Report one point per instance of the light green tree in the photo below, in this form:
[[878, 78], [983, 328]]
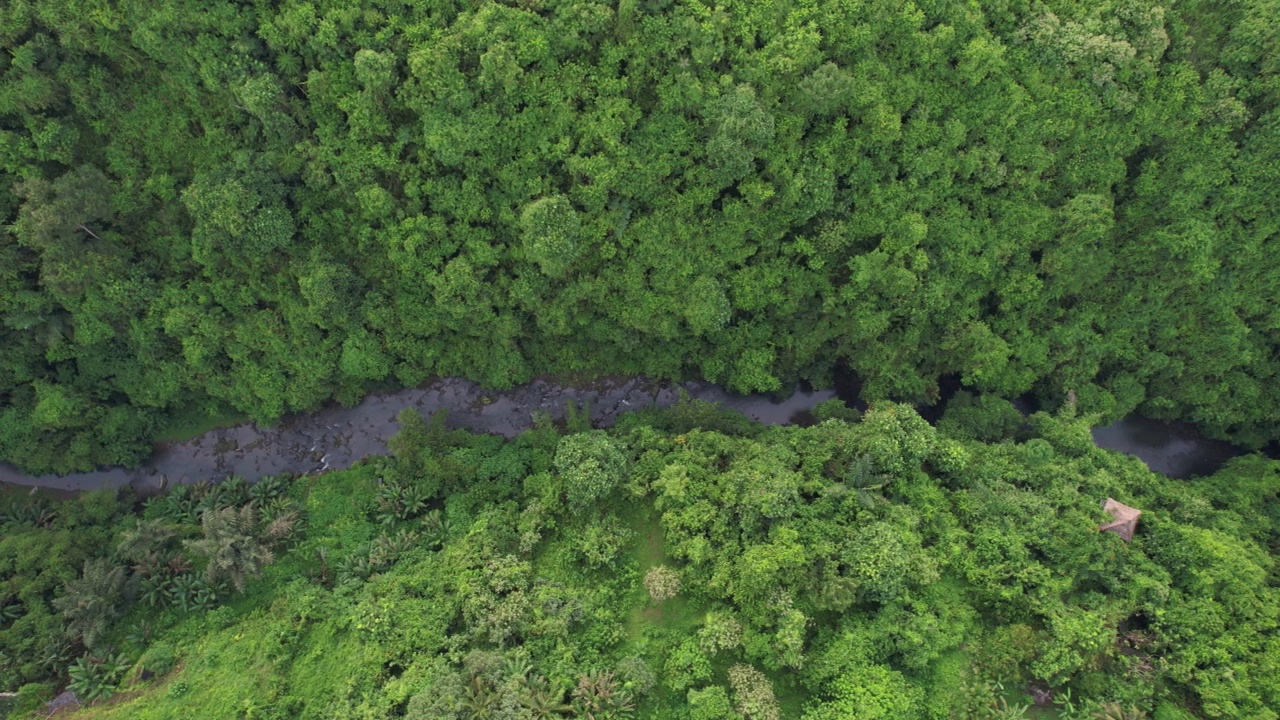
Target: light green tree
[[91, 601], [549, 230], [590, 466], [236, 543]]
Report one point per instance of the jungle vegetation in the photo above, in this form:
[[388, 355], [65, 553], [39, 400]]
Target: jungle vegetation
[[217, 207], [686, 565]]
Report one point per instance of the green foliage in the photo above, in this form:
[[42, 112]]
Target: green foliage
[[694, 414], [590, 467], [600, 542], [711, 703], [874, 692], [837, 410], [263, 211], [830, 571], [982, 417]]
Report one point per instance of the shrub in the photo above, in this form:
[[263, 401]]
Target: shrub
[[662, 582], [753, 693]]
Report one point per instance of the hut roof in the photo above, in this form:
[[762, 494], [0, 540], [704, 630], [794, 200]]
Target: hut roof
[[1125, 522]]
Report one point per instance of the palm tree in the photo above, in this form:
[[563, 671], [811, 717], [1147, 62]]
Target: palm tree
[[543, 701], [237, 544], [145, 544], [435, 529], [93, 600], [479, 702], [863, 478], [600, 697]]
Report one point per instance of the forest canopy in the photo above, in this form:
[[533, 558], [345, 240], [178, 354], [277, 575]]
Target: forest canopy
[[252, 208], [686, 565]]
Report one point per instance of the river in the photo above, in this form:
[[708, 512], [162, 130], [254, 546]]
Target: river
[[337, 438]]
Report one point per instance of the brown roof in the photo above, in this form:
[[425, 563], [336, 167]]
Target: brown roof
[[1125, 522]]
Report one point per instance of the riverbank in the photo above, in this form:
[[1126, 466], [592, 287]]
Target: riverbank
[[337, 437]]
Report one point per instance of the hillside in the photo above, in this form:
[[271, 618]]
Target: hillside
[[688, 564]]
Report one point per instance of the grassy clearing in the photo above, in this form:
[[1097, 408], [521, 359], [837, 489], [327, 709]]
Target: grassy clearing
[[192, 425]]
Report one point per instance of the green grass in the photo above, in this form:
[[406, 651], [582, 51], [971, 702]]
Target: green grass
[[285, 640], [193, 425], [649, 550]]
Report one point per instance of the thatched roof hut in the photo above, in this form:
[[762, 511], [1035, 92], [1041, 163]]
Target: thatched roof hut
[[1125, 522]]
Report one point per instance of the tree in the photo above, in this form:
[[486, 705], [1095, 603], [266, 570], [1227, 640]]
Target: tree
[[706, 307], [93, 600], [886, 559], [590, 466], [66, 221], [549, 231], [742, 128], [827, 88], [237, 544], [63, 210], [662, 582], [363, 357], [238, 215], [753, 693]]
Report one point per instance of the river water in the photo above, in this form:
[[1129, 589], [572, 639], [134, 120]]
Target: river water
[[1170, 448], [337, 438]]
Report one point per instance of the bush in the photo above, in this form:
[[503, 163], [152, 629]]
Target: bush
[[159, 659], [662, 582]]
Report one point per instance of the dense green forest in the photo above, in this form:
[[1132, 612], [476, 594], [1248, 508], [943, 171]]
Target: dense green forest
[[214, 207], [686, 565]]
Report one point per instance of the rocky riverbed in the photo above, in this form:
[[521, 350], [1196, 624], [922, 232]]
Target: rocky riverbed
[[337, 437]]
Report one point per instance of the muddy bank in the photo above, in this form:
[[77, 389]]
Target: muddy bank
[[336, 438]]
